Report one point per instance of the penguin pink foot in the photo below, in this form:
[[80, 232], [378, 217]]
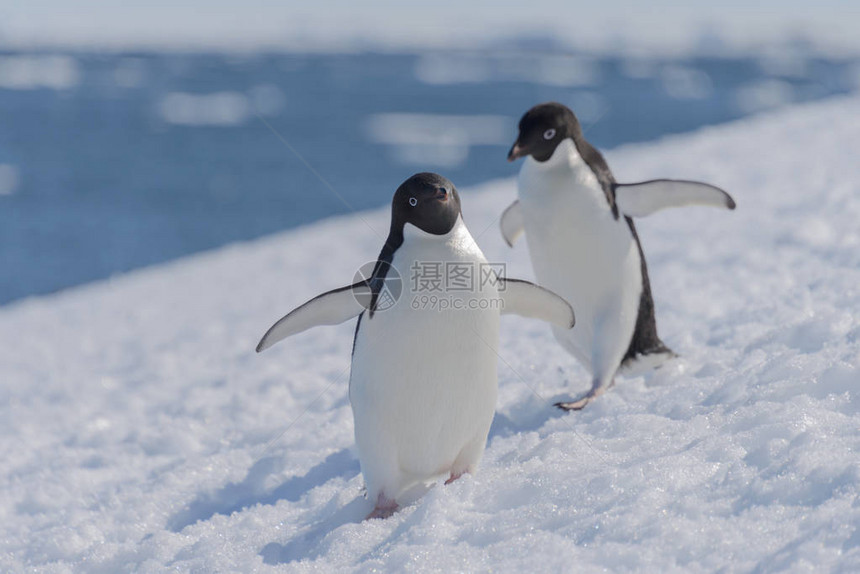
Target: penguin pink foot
[[575, 405], [384, 508], [579, 404], [454, 477]]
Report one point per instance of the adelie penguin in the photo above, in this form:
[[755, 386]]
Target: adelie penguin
[[583, 243], [423, 382]]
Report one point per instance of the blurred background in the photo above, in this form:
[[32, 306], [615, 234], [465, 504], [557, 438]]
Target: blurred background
[[135, 133]]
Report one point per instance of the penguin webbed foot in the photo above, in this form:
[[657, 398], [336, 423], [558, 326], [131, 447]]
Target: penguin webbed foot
[[579, 404], [384, 508], [382, 512], [574, 405], [454, 476]]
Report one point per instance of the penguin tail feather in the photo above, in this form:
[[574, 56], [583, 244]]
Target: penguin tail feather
[[648, 360]]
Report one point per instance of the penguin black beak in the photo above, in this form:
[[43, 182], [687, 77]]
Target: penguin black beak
[[441, 194], [517, 151]]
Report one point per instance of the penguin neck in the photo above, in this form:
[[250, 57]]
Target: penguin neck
[[564, 157], [564, 165], [414, 235], [565, 181], [458, 240]]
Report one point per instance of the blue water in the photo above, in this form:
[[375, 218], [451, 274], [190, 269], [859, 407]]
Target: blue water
[[117, 161]]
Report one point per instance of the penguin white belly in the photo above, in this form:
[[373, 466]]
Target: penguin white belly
[[580, 251], [423, 384]]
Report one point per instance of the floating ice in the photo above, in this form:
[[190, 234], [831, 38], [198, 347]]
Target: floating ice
[[444, 69], [24, 72], [218, 109], [439, 140], [8, 179], [764, 94], [685, 83], [551, 69]]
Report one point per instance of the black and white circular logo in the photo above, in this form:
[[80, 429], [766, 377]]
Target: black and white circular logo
[[391, 289]]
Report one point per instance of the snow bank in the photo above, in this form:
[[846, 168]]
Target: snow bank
[[139, 431]]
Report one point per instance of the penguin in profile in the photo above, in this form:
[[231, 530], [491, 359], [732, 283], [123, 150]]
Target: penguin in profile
[[583, 243], [423, 382]]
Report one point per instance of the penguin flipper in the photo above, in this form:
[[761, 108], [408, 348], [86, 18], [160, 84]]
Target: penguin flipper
[[644, 198], [511, 223], [529, 300], [330, 308]]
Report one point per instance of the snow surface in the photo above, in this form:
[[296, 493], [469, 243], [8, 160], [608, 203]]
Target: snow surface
[[140, 431]]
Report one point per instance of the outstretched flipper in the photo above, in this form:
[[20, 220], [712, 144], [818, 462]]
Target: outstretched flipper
[[330, 308], [512, 223], [529, 300], [647, 197]]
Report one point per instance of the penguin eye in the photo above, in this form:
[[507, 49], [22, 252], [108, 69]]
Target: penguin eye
[[549, 134], [413, 202]]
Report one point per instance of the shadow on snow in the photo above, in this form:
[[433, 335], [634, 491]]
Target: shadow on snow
[[238, 496]]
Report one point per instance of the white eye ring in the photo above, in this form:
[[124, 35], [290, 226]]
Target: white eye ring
[[413, 202], [549, 134]]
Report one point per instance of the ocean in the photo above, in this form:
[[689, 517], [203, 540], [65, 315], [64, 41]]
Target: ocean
[[114, 161]]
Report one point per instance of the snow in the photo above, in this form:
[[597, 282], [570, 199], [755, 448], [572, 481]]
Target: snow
[[139, 430]]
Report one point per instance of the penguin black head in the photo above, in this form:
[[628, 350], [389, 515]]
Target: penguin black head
[[542, 128], [428, 201]]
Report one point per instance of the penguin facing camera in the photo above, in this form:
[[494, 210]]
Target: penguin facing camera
[[423, 380]]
